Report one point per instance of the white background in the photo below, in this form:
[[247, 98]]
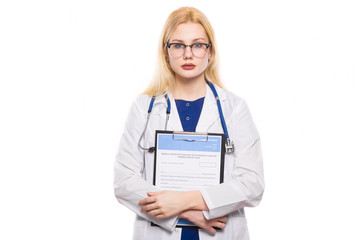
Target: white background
[[70, 69]]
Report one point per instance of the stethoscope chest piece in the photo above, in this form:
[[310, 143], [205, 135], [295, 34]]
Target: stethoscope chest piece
[[229, 146]]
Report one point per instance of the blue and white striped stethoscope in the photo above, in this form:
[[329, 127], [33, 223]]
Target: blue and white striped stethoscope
[[229, 145]]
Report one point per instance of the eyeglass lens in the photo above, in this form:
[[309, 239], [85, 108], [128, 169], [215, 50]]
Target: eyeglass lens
[[178, 50]]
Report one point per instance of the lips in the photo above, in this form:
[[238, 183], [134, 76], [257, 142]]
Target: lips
[[188, 66]]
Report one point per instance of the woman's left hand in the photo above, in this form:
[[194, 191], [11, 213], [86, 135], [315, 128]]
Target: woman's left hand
[[164, 204]]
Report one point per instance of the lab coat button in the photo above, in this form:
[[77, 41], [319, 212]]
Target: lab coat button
[[176, 230]]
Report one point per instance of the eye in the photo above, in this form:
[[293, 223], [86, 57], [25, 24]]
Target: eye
[[197, 45], [178, 45]]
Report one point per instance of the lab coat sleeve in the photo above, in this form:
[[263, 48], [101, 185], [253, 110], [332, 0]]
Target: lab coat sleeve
[[129, 185], [245, 189]]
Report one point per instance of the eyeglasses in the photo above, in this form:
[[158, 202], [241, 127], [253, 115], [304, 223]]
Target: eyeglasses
[[177, 50]]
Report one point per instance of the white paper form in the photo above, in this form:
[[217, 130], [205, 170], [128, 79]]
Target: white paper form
[[186, 162]]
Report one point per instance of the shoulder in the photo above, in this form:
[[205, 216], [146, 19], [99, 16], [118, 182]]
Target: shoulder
[[229, 98], [139, 107], [235, 108], [141, 102], [238, 115]]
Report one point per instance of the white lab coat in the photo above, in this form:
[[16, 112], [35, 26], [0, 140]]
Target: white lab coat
[[243, 179]]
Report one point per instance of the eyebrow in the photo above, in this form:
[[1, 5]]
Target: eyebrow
[[194, 40]]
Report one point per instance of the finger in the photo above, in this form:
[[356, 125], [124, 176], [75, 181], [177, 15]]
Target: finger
[[155, 213], [220, 219], [165, 214], [210, 230], [218, 224], [150, 194], [149, 207], [207, 227], [161, 216], [147, 201]]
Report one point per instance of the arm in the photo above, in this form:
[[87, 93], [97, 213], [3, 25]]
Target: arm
[[198, 218], [244, 190], [129, 185], [246, 187], [166, 204]]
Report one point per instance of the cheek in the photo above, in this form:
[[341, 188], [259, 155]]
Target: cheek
[[204, 62], [173, 64], [204, 65]]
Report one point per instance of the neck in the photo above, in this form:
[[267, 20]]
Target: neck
[[190, 90]]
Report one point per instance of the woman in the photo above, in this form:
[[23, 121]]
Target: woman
[[187, 60]]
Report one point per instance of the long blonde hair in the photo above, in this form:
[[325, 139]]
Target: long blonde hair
[[164, 77]]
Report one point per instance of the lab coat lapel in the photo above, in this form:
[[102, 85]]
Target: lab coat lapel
[[174, 120], [209, 113]]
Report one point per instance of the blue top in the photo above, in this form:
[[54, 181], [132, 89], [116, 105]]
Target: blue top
[[189, 113]]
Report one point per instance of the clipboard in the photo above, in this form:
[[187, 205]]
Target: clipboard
[[188, 161]]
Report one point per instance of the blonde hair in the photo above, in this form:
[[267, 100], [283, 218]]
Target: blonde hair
[[164, 77]]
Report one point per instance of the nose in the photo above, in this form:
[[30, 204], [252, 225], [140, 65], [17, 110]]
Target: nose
[[188, 52]]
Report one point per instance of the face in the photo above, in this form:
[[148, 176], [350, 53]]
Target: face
[[189, 33]]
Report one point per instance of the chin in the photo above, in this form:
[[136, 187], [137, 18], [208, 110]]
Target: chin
[[189, 75]]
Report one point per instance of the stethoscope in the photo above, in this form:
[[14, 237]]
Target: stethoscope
[[229, 145]]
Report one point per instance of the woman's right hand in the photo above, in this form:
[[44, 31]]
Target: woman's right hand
[[197, 217]]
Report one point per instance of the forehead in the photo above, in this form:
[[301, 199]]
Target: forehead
[[189, 31]]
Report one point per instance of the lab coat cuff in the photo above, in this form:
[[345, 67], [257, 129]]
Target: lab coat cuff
[[208, 202], [172, 223], [219, 207], [168, 224]]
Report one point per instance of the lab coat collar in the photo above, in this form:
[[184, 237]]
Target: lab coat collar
[[209, 113]]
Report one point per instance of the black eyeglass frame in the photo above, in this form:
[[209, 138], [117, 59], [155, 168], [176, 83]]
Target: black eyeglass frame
[[188, 45]]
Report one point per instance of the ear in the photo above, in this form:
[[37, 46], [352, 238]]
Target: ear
[[167, 55], [210, 52]]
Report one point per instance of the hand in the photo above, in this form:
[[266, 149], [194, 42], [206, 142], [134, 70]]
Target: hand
[[197, 217], [164, 204]]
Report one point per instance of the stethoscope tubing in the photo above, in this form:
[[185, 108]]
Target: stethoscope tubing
[[229, 144], [168, 110], [219, 108]]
